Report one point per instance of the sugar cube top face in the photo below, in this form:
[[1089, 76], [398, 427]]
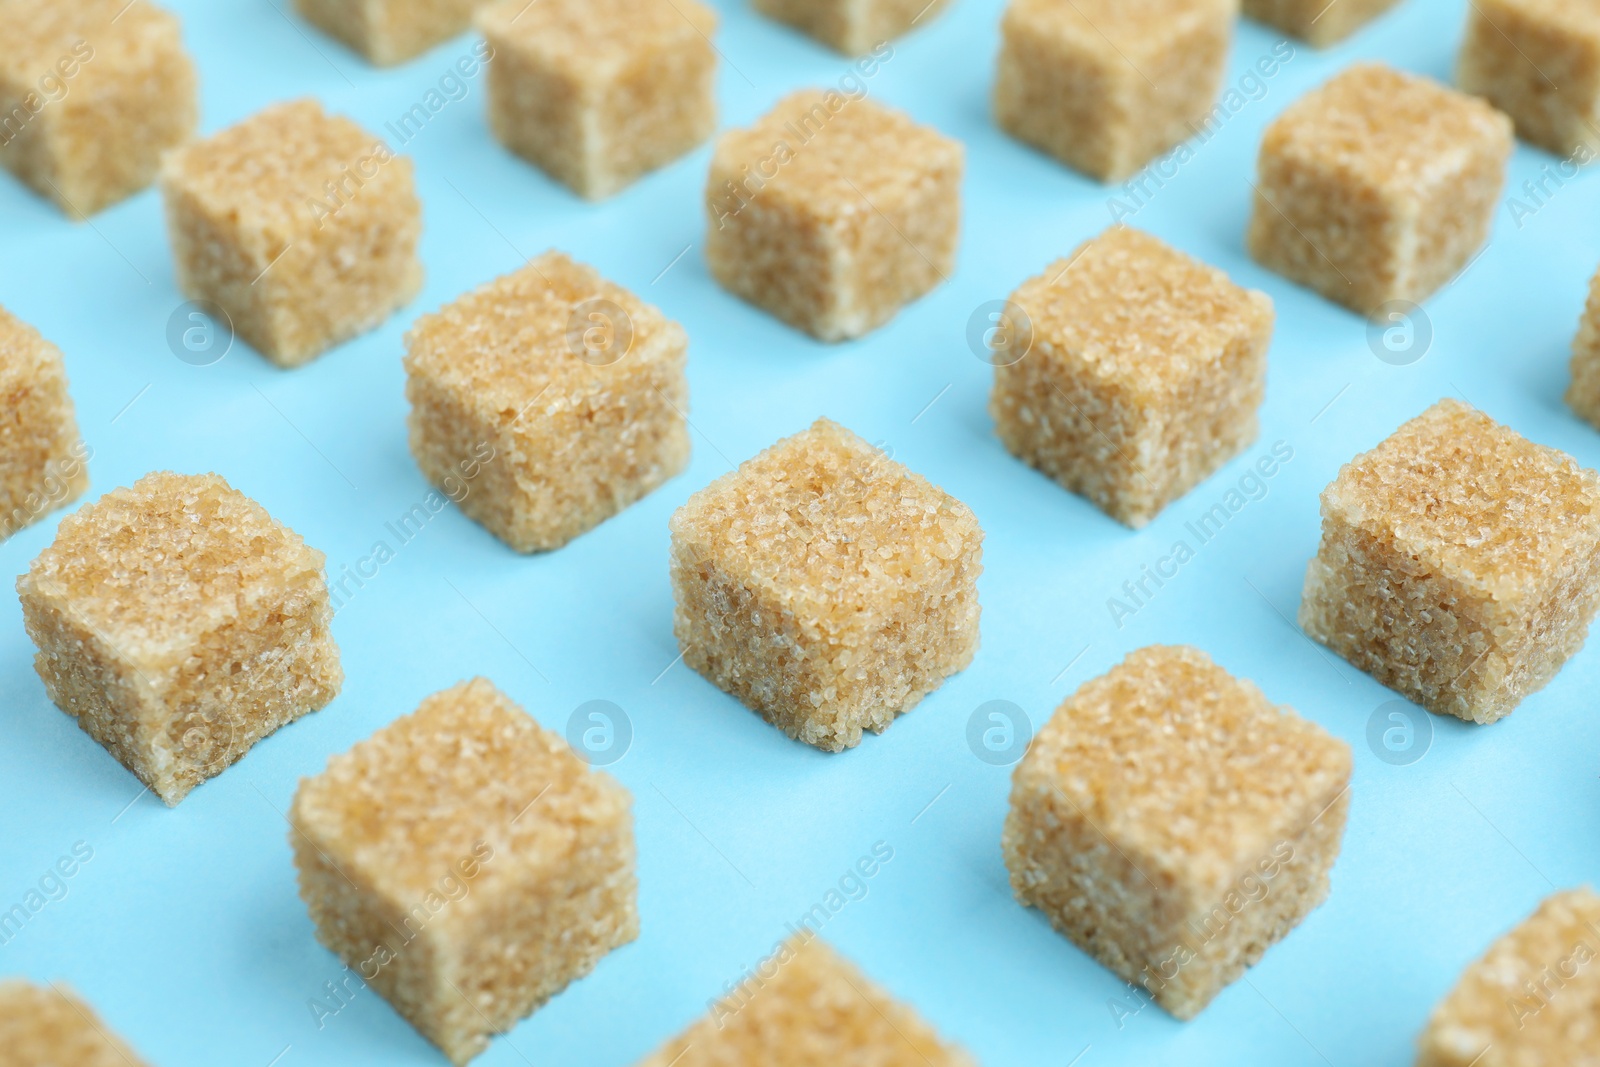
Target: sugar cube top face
[[558, 397], [1317, 22], [43, 461], [1533, 999], [1133, 373], [493, 866], [1539, 62], [387, 32], [300, 224], [826, 586], [180, 623], [817, 1008], [1378, 186], [853, 27], [92, 92], [50, 1026], [1459, 564], [1583, 395], [1173, 823]]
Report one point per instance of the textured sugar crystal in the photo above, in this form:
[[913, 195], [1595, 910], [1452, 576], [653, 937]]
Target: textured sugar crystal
[[43, 462], [1174, 824], [466, 864], [1459, 564], [833, 212], [92, 92], [826, 586], [51, 1026], [597, 93], [1106, 86], [390, 31], [1583, 395], [1379, 186], [1539, 62], [1532, 1000], [300, 225], [179, 623], [1318, 22], [547, 401], [815, 1008], [1130, 372], [853, 27]]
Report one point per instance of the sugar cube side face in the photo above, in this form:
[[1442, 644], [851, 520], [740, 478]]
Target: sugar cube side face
[[1539, 63], [1459, 563], [598, 93], [1583, 394], [466, 864], [1174, 824], [388, 32], [826, 586], [44, 464], [179, 623], [41, 1026], [92, 92], [1317, 22], [300, 225], [816, 1007], [853, 27], [1378, 187], [832, 212], [547, 401], [1106, 86], [1130, 372], [1533, 998]]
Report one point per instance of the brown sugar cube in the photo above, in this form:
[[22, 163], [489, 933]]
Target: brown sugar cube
[[853, 27], [1459, 563], [1106, 86], [1379, 186], [43, 461], [1132, 372], [302, 226], [51, 1026], [179, 623], [92, 92], [1539, 62], [598, 93], [833, 212], [816, 1008], [1583, 395], [1174, 824], [547, 401], [826, 586], [1319, 23], [1533, 1000], [387, 32], [466, 864]]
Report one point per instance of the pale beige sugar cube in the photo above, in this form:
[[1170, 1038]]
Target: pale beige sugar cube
[[387, 32], [1131, 372], [598, 93], [1583, 395], [1539, 62], [853, 27], [466, 864], [833, 212], [302, 226], [826, 586], [1533, 1000], [179, 623], [1317, 22], [51, 1026], [1378, 186], [92, 92], [1459, 563], [547, 401], [807, 1006], [43, 461], [1106, 86], [1174, 824]]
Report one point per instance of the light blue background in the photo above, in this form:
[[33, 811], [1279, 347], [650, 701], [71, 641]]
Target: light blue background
[[186, 930]]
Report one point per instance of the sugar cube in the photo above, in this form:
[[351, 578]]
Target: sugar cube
[[179, 623], [853, 27], [51, 1026], [387, 32], [1317, 22], [1539, 62], [1583, 395], [43, 461]]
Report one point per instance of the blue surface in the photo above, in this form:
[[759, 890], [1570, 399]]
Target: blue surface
[[185, 928]]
